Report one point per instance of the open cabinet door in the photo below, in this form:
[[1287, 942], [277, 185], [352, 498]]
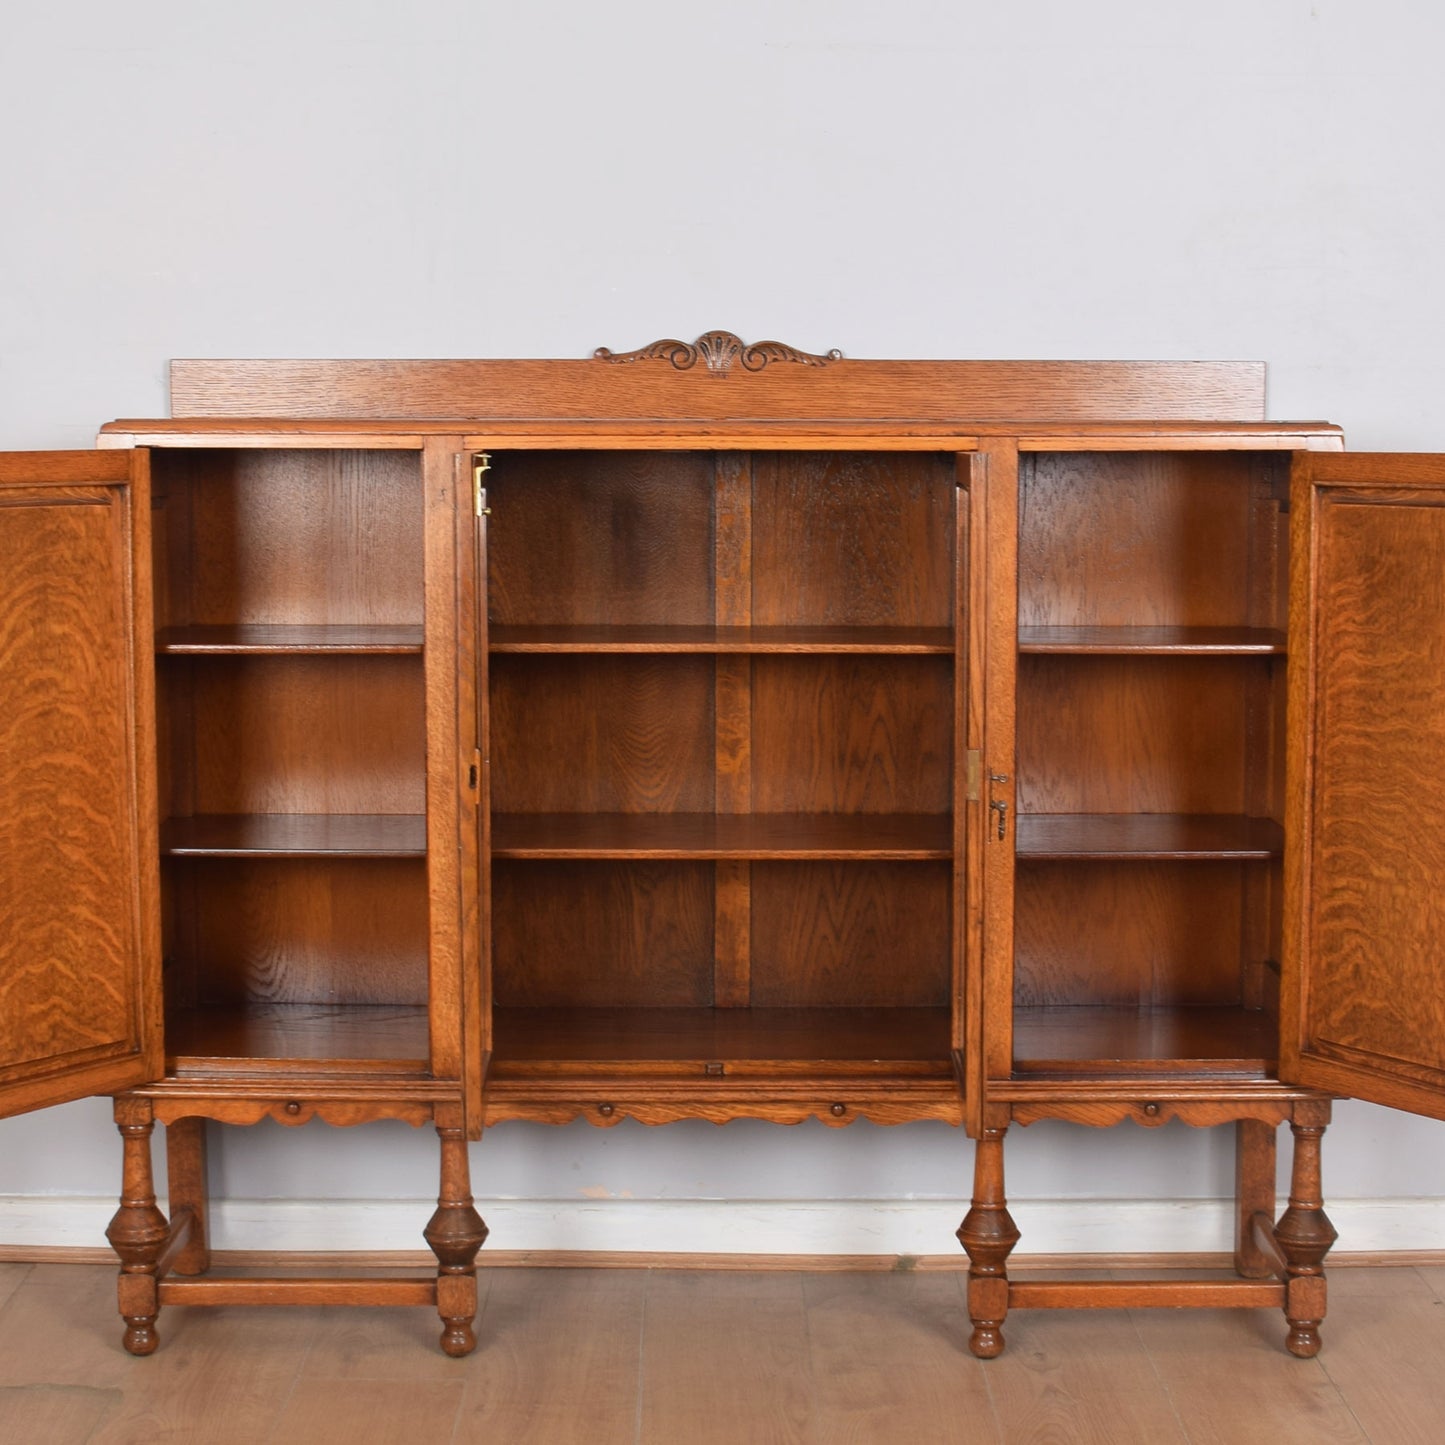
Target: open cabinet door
[[1363, 988], [79, 912]]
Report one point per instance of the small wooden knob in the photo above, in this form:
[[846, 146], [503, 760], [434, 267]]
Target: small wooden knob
[[606, 1110], [1152, 1110], [838, 1110], [292, 1107]]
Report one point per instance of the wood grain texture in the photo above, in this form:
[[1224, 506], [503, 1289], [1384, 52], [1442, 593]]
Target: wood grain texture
[[851, 934], [314, 1032], [852, 735], [602, 734], [602, 933], [290, 536], [1119, 539], [277, 637], [852, 539], [296, 734], [1376, 848], [1160, 1040], [1147, 835], [1017, 390], [721, 639], [537, 1040], [600, 538], [1160, 641], [296, 835], [1135, 735], [736, 836], [1135, 933], [307, 930], [77, 900]]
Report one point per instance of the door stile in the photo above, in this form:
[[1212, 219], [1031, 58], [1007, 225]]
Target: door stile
[[993, 665]]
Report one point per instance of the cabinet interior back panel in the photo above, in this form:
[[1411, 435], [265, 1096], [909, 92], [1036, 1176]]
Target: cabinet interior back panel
[[295, 734], [860, 539], [851, 934], [1149, 539], [313, 536], [852, 734], [1139, 735], [1131, 934], [602, 934], [608, 734], [600, 538], [319, 931]]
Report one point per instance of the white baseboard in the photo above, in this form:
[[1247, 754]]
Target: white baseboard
[[791, 1227]]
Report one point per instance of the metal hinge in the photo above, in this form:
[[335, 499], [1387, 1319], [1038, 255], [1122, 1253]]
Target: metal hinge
[[481, 465]]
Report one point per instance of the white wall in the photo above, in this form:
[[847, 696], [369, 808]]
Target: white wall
[[933, 178]]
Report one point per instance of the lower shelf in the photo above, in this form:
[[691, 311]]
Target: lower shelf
[[1137, 1042], [721, 1043], [334, 1038]]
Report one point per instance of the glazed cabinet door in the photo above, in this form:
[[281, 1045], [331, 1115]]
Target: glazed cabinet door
[[79, 953], [1364, 966]]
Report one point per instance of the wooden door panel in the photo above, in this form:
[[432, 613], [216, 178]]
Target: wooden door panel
[[79, 964], [1366, 864]]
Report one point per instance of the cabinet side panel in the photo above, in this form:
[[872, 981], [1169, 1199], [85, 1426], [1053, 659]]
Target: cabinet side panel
[[73, 937], [1377, 852]]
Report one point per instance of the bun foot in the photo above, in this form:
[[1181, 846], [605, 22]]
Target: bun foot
[[1303, 1340], [986, 1342], [458, 1339], [140, 1336]]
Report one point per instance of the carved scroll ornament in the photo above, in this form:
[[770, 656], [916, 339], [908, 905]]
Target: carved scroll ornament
[[717, 350]]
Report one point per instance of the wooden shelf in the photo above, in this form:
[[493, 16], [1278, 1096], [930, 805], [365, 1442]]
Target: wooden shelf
[[285, 638], [1102, 1041], [295, 835], [902, 640], [1147, 836], [777, 836], [1154, 641], [346, 1038], [540, 1042]]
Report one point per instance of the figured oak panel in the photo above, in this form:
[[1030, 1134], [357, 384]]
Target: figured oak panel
[[77, 941], [601, 934], [1377, 848], [302, 930], [600, 538], [274, 536], [852, 734], [602, 734], [851, 934], [854, 539], [1137, 734], [295, 734], [1133, 933], [1139, 539]]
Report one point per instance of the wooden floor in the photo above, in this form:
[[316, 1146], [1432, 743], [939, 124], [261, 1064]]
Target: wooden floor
[[692, 1357]]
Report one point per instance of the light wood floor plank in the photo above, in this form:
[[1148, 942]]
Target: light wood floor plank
[[1232, 1382], [725, 1360], [1384, 1347], [52, 1414], [11, 1278], [1079, 1377], [358, 1412], [558, 1359], [890, 1361]]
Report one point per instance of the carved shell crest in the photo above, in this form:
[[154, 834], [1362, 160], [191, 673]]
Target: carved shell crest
[[718, 350]]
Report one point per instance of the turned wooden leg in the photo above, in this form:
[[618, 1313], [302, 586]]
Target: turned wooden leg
[[189, 1190], [988, 1233], [1254, 1176], [1305, 1234], [139, 1231], [455, 1234]]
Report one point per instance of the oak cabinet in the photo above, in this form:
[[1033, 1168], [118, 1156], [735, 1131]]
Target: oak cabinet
[[719, 731]]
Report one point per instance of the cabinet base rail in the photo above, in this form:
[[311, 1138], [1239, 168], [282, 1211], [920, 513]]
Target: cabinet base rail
[[154, 1249], [1277, 1264]]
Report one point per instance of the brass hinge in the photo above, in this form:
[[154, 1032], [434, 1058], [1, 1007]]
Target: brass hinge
[[975, 775], [481, 465], [474, 772]]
